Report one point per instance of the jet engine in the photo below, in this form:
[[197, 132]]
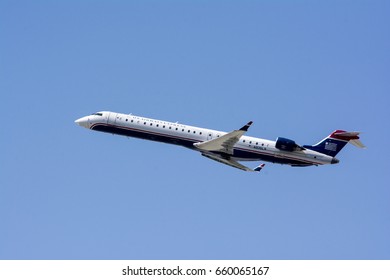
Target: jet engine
[[285, 144]]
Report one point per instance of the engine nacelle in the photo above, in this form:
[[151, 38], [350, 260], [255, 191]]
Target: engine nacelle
[[285, 144]]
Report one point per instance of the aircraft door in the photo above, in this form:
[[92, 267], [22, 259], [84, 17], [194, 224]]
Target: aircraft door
[[106, 116], [112, 118]]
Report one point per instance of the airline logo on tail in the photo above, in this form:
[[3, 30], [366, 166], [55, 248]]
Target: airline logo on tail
[[330, 146]]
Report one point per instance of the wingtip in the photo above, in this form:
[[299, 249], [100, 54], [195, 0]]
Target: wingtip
[[245, 127], [258, 168]]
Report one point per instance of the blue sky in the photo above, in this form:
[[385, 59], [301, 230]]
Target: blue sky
[[298, 69]]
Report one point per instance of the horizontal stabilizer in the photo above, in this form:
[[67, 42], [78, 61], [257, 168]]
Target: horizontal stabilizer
[[350, 136], [345, 135], [357, 143]]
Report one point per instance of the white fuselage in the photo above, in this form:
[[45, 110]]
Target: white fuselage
[[246, 149]]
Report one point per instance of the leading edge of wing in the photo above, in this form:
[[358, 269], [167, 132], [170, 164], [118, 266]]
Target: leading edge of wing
[[225, 143]]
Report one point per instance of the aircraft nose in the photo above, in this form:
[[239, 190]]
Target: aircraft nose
[[82, 122], [334, 161]]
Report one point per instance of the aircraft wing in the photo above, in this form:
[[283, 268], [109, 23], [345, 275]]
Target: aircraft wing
[[232, 162], [225, 143]]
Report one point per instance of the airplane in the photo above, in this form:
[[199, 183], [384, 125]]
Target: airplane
[[227, 148]]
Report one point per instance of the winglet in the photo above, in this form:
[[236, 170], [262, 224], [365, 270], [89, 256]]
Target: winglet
[[245, 127], [258, 169]]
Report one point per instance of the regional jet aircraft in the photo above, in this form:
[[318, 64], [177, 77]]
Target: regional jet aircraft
[[227, 148]]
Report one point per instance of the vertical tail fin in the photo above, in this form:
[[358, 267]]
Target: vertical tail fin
[[333, 144]]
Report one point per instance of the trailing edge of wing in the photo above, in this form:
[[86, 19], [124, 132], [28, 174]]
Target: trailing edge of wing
[[225, 143]]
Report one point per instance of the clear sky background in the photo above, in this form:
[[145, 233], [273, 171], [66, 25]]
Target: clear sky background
[[298, 69]]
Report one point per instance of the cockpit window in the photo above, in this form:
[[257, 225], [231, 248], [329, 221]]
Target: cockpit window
[[98, 114]]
